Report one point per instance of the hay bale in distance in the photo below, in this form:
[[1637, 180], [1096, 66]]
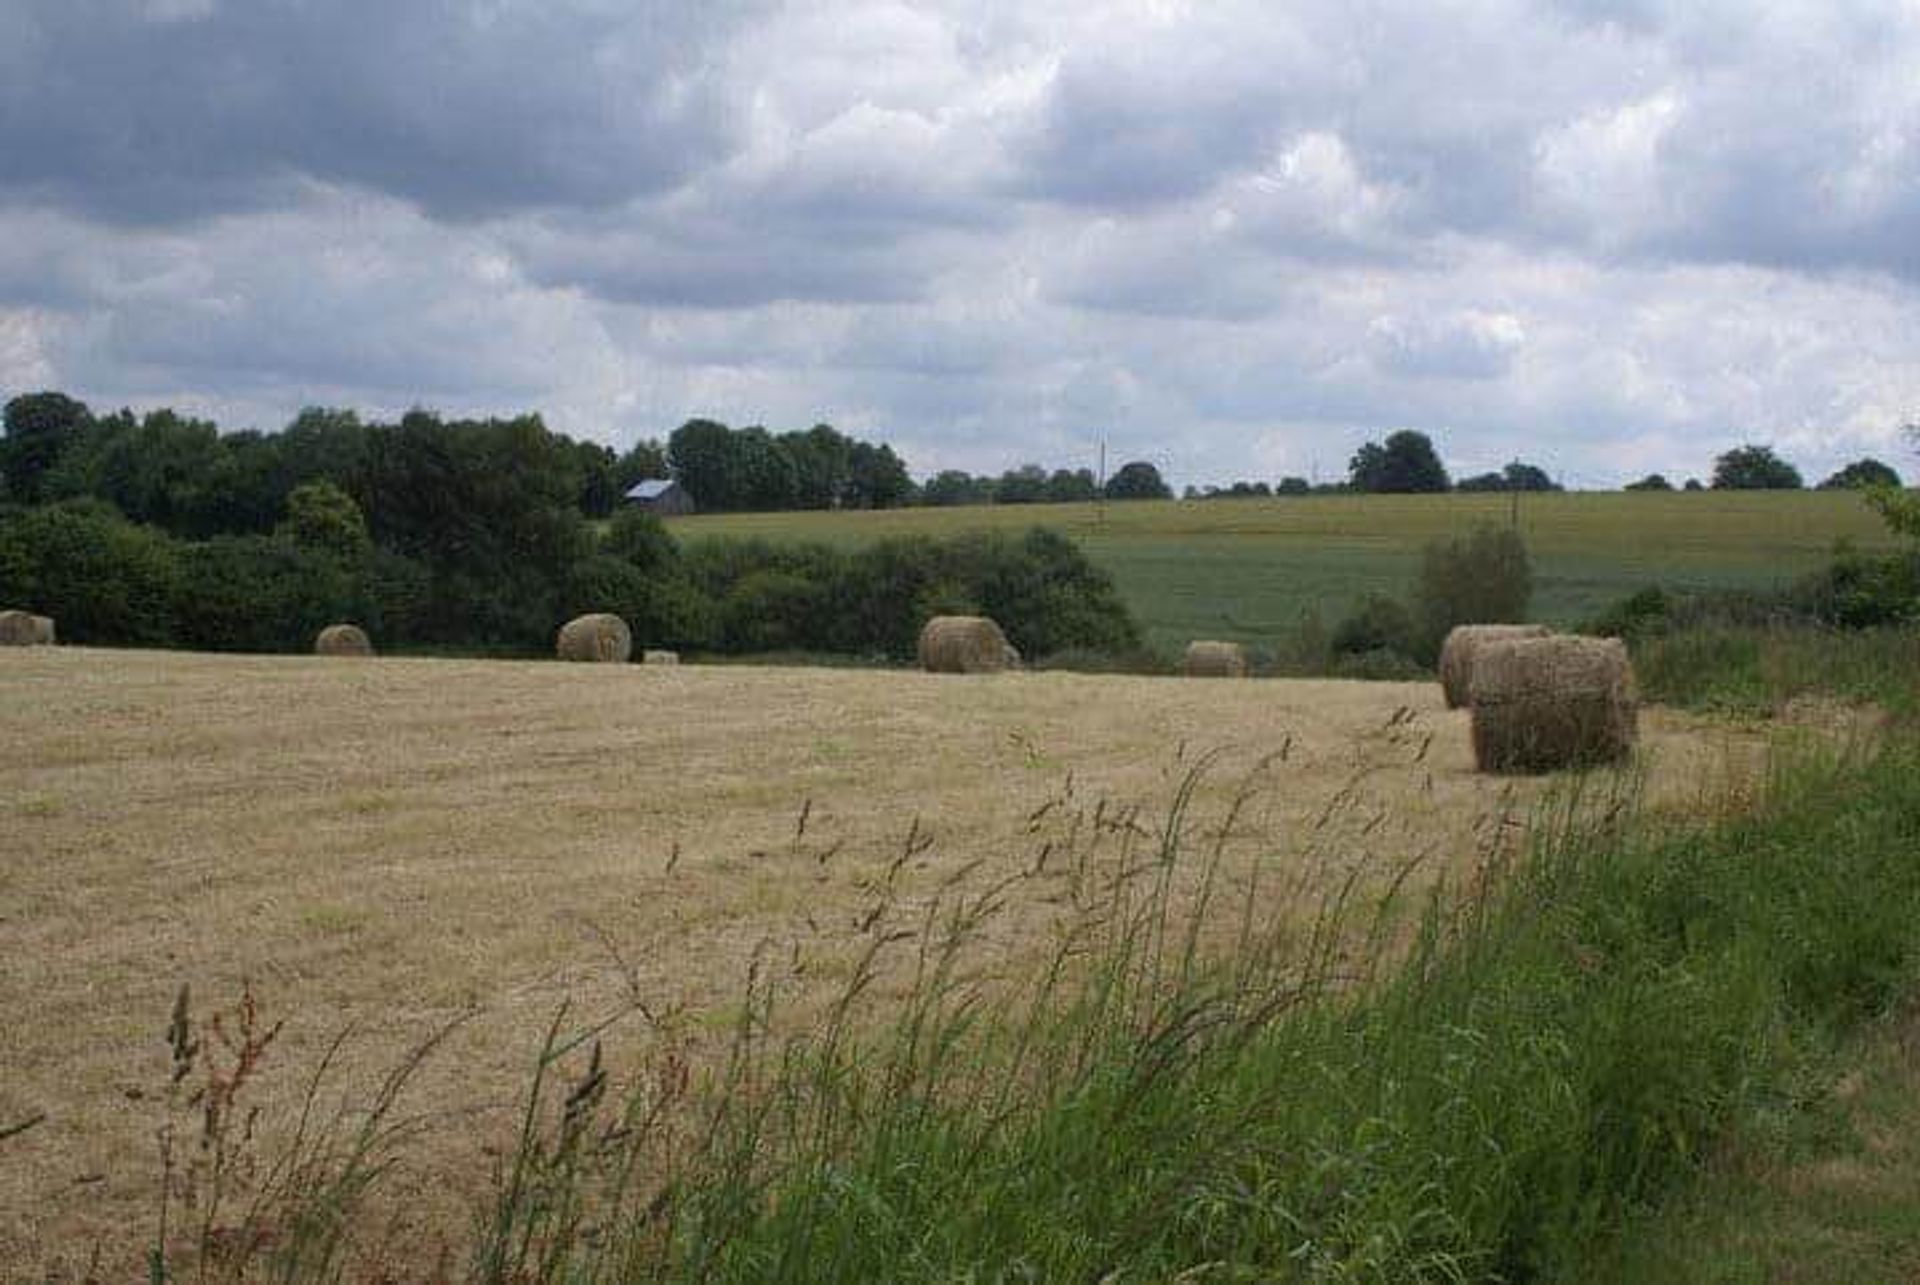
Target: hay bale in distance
[[659, 656], [17, 629], [44, 632], [1457, 653], [598, 637], [1542, 704], [1206, 659], [965, 645], [342, 640]]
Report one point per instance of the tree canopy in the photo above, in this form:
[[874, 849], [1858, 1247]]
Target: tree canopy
[[1754, 468], [1405, 463], [1861, 475], [1138, 480]]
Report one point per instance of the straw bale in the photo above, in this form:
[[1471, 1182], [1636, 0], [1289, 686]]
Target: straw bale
[[659, 656], [1206, 659], [1542, 704], [598, 636], [343, 640], [44, 632], [1457, 653], [965, 645], [17, 629]]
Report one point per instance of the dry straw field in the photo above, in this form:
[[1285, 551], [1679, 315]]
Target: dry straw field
[[390, 845]]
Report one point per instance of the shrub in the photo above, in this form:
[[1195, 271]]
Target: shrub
[[775, 611], [103, 578], [1861, 591], [640, 538], [260, 593], [1640, 614], [662, 610], [1483, 579], [1379, 625]]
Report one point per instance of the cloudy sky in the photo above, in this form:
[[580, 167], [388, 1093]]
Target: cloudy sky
[[1236, 239]]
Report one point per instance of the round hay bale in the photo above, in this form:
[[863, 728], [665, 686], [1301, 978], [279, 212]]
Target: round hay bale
[[965, 645], [598, 637], [43, 631], [659, 656], [342, 640], [1542, 704], [1457, 653], [17, 629], [1214, 660]]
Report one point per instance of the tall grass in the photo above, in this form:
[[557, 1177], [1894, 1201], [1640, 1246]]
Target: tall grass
[[1759, 669], [1200, 1086], [1555, 1043]]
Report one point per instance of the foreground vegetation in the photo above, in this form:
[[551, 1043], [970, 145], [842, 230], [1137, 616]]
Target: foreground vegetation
[[1489, 1083]]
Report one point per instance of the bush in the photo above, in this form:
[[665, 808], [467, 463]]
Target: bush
[[662, 610], [1641, 614], [776, 611], [1859, 591], [1380, 625], [1483, 579], [261, 593], [103, 578]]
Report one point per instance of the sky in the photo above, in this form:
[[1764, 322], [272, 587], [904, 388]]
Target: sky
[[1234, 239]]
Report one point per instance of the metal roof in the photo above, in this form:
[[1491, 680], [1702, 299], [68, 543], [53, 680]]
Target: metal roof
[[651, 489]]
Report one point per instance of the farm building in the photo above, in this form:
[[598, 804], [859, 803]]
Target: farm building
[[662, 496]]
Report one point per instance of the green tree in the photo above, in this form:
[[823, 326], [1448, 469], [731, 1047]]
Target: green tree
[[1025, 484], [105, 579], [322, 516], [641, 540], [1900, 509], [700, 453], [1754, 468], [823, 466], [1075, 486], [877, 479], [1651, 482], [41, 428], [1483, 579], [1293, 486], [489, 508], [1862, 475], [261, 593], [1404, 464], [643, 461], [1138, 480], [952, 487]]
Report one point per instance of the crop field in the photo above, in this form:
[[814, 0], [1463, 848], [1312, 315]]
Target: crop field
[[1250, 569], [387, 847]]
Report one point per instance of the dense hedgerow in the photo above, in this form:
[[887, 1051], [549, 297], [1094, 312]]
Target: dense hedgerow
[[448, 585]]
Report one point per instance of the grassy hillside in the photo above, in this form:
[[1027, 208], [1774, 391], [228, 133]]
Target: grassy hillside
[[1248, 569]]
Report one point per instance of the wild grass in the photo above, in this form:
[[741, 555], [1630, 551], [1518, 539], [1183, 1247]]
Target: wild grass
[[1758, 669], [1481, 1085]]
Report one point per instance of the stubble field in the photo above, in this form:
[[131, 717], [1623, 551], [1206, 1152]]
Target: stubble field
[[393, 845]]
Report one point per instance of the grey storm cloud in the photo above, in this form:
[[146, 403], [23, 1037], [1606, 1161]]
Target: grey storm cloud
[[166, 109], [1237, 236]]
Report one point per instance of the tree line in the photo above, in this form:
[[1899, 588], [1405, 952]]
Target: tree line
[[466, 534], [1407, 463]]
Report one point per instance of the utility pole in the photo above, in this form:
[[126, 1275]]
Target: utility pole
[[1100, 487]]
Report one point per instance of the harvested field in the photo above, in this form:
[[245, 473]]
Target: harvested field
[[396, 845]]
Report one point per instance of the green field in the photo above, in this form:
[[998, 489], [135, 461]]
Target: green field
[[1249, 569]]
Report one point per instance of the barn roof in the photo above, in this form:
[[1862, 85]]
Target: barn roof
[[650, 489]]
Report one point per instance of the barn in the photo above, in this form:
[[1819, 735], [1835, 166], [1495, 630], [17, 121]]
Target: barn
[[662, 496]]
